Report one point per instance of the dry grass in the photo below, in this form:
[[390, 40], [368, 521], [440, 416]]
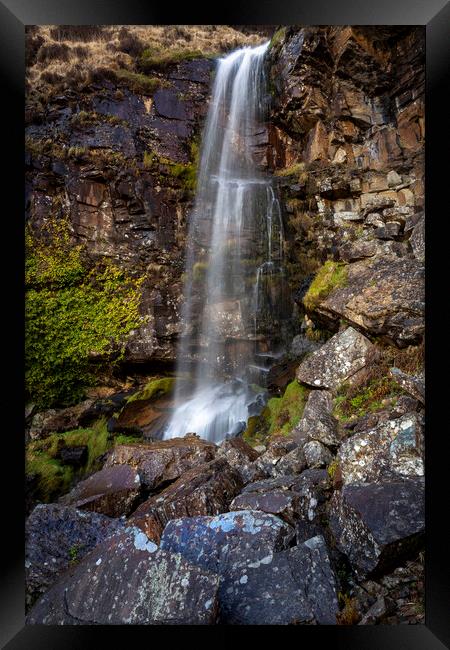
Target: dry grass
[[66, 56]]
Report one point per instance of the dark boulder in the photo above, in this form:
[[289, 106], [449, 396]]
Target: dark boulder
[[56, 537], [113, 491], [377, 524]]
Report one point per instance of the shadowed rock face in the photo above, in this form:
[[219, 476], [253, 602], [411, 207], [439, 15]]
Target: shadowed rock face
[[376, 524], [127, 580], [56, 536]]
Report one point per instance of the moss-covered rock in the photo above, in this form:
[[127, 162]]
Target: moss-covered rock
[[330, 276]]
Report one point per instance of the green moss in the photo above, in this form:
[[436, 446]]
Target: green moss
[[330, 276], [199, 271], [286, 411], [126, 440], [277, 37], [74, 312], [332, 468], [369, 398], [155, 58], [54, 478], [138, 83], [154, 389], [297, 169], [186, 173], [279, 417]]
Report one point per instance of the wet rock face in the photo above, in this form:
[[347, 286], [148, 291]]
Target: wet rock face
[[336, 361], [120, 207], [128, 580], [203, 490], [377, 524], [258, 584], [57, 536], [158, 463], [113, 491], [392, 449]]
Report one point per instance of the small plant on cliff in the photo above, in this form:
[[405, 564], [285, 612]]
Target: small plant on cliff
[[75, 312], [330, 276]]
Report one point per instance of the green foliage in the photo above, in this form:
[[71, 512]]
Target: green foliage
[[157, 58], [186, 173], [73, 553], [74, 313], [138, 83], [330, 276], [349, 404]]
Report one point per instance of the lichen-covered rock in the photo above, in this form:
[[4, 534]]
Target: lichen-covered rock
[[377, 524], [112, 491], [291, 497], [336, 361], [57, 536], [241, 457], [283, 503], [160, 462], [214, 542], [204, 490], [415, 386], [318, 422], [258, 584], [392, 449], [316, 454], [384, 296], [128, 580], [291, 587]]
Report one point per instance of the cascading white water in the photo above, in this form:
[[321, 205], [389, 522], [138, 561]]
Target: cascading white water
[[234, 256]]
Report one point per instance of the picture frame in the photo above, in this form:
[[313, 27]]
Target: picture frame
[[14, 15]]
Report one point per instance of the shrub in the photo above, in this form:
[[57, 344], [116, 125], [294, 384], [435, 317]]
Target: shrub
[[74, 312]]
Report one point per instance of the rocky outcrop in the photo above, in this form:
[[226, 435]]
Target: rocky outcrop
[[128, 581], [348, 145], [318, 422], [159, 463], [382, 297]]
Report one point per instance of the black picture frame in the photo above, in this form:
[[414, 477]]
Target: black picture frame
[[14, 15]]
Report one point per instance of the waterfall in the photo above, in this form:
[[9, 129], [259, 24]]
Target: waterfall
[[234, 265]]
